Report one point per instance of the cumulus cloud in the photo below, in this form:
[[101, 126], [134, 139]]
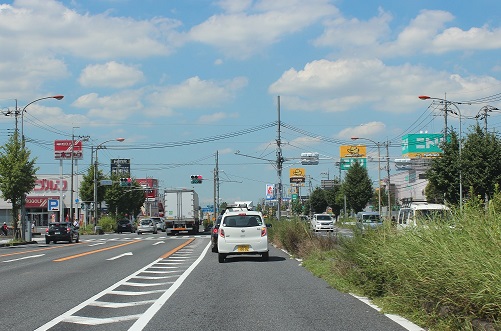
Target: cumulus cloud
[[350, 84], [245, 29], [366, 130], [110, 74], [195, 93], [117, 106]]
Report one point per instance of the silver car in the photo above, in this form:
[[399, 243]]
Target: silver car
[[147, 225], [160, 222]]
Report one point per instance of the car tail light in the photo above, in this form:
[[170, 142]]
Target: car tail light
[[68, 230], [263, 231], [221, 233], [47, 230], [214, 231]]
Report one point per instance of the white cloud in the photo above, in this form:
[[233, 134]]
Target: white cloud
[[118, 106], [356, 84], [366, 130], [195, 93], [245, 30], [110, 74]]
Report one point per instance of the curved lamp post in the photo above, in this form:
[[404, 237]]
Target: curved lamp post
[[98, 147], [447, 102], [27, 228], [378, 168]]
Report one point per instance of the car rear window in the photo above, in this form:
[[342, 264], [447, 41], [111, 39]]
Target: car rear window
[[242, 221], [324, 218], [145, 222], [59, 225], [124, 222]]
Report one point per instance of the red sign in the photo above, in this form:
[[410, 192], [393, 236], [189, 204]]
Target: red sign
[[37, 202], [150, 186], [63, 148]]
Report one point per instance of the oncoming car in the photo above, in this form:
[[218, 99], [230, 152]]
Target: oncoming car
[[242, 232], [322, 222]]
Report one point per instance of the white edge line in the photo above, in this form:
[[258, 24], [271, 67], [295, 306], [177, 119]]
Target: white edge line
[[395, 318], [155, 307], [24, 258], [73, 310]]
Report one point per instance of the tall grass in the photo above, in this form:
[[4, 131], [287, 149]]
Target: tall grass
[[440, 276]]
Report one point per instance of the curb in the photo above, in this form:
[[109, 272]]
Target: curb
[[18, 243]]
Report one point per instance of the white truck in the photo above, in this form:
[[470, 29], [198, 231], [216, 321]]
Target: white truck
[[181, 211]]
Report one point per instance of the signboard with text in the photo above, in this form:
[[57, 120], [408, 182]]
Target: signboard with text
[[346, 163], [63, 149], [120, 167]]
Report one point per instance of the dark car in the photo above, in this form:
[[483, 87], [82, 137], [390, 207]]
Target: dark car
[[214, 233], [62, 231], [125, 225]]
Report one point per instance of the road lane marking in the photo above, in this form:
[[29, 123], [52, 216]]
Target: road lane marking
[[68, 315], [169, 253], [94, 252], [158, 243], [103, 304], [119, 256], [99, 321], [96, 244], [23, 258], [154, 308], [34, 250]]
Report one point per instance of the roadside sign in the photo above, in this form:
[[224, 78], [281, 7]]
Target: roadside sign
[[53, 205], [106, 182], [346, 162], [63, 149]]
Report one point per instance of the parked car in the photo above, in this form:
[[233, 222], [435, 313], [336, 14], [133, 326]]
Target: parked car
[[160, 221], [322, 222], [368, 220], [147, 225], [125, 225], [215, 233], [242, 232], [62, 231]]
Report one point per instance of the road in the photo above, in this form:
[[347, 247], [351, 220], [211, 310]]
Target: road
[[159, 282]]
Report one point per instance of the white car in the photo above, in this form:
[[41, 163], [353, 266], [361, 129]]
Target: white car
[[242, 232], [322, 222], [160, 222]]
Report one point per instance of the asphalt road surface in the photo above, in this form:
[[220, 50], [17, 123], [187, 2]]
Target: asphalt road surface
[[159, 282]]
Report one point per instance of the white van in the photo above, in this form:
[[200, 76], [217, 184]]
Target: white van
[[410, 215]]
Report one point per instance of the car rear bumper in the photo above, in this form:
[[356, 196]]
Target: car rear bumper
[[242, 248]]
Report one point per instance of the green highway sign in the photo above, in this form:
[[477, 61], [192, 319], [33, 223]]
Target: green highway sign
[[346, 162]]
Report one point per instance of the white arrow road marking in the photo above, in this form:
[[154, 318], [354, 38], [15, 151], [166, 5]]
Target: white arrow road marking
[[24, 258], [119, 256], [96, 244], [158, 243]]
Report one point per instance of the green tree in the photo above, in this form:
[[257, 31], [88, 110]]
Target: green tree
[[443, 174], [17, 174], [481, 163], [318, 203], [123, 201], [297, 207], [357, 187], [331, 196], [87, 186]]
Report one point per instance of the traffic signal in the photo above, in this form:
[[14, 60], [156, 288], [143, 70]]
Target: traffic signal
[[125, 182], [196, 179]]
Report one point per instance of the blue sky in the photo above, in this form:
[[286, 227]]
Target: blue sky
[[172, 76]]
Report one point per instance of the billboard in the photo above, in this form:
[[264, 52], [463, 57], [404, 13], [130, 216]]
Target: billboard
[[297, 175], [120, 167], [63, 148], [270, 192], [422, 145], [350, 151]]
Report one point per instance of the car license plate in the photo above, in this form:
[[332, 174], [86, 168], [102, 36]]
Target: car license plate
[[57, 232], [242, 248]]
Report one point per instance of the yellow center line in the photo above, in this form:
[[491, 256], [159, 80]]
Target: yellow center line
[[172, 251], [95, 251], [36, 250]]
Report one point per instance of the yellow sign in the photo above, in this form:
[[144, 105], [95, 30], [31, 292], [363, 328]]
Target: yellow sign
[[297, 172], [353, 151]]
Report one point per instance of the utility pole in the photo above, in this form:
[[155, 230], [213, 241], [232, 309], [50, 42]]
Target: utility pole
[[216, 186], [280, 162], [445, 117], [388, 173]]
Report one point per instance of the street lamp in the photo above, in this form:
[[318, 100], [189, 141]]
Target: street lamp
[[378, 169], [24, 224], [447, 102], [98, 147]]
